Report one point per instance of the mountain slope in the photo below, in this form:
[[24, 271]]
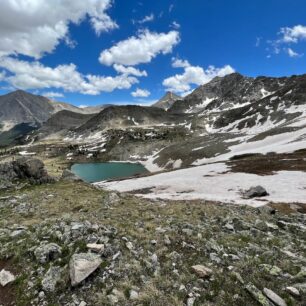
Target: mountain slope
[[22, 112], [21, 107], [62, 121], [129, 115]]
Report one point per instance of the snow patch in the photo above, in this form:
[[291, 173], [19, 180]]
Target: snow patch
[[213, 182]]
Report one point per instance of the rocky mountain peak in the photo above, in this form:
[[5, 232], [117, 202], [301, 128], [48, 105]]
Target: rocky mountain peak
[[167, 100]]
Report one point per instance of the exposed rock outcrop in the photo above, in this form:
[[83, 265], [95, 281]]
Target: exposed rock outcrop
[[30, 169]]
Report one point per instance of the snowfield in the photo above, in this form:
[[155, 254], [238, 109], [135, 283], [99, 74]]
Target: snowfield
[[214, 182], [281, 143]]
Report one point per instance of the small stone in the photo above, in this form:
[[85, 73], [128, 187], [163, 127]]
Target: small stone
[[134, 295], [129, 245], [83, 303], [214, 257], [293, 291], [272, 296], [153, 242], [6, 278], [41, 295], [229, 227], [238, 277], [154, 259], [82, 265], [18, 233], [167, 240], [98, 248], [113, 300], [190, 301], [301, 287], [202, 271]]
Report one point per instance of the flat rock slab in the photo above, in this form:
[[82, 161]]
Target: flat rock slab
[[82, 265], [202, 271], [6, 278], [272, 296]]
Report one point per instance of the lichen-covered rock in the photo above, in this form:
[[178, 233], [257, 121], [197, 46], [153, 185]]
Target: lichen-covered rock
[[47, 252], [52, 277], [82, 265], [258, 295], [31, 169]]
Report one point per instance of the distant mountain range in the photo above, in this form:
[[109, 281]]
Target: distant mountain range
[[21, 112], [22, 107], [227, 116]]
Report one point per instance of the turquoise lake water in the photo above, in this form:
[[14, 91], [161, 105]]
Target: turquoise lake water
[[96, 172]]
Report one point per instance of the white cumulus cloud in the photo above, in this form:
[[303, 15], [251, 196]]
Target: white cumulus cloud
[[130, 70], [286, 37], [193, 75], [35, 27], [33, 75], [53, 94], [294, 34], [141, 49], [140, 93]]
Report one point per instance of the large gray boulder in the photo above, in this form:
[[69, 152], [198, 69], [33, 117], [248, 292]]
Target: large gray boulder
[[255, 192], [82, 265], [31, 169]]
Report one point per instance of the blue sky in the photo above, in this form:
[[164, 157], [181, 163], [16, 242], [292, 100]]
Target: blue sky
[[89, 52]]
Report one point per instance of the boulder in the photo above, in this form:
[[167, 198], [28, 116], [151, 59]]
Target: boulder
[[47, 252], [69, 176], [52, 277], [6, 278], [82, 265], [255, 192], [31, 169]]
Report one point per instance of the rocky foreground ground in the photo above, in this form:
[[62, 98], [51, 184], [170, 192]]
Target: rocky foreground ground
[[68, 243]]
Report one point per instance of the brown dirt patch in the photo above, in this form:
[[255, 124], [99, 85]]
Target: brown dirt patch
[[288, 209], [269, 163]]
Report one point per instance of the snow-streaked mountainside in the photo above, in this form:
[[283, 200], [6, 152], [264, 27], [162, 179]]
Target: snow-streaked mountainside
[[229, 116], [167, 100]]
